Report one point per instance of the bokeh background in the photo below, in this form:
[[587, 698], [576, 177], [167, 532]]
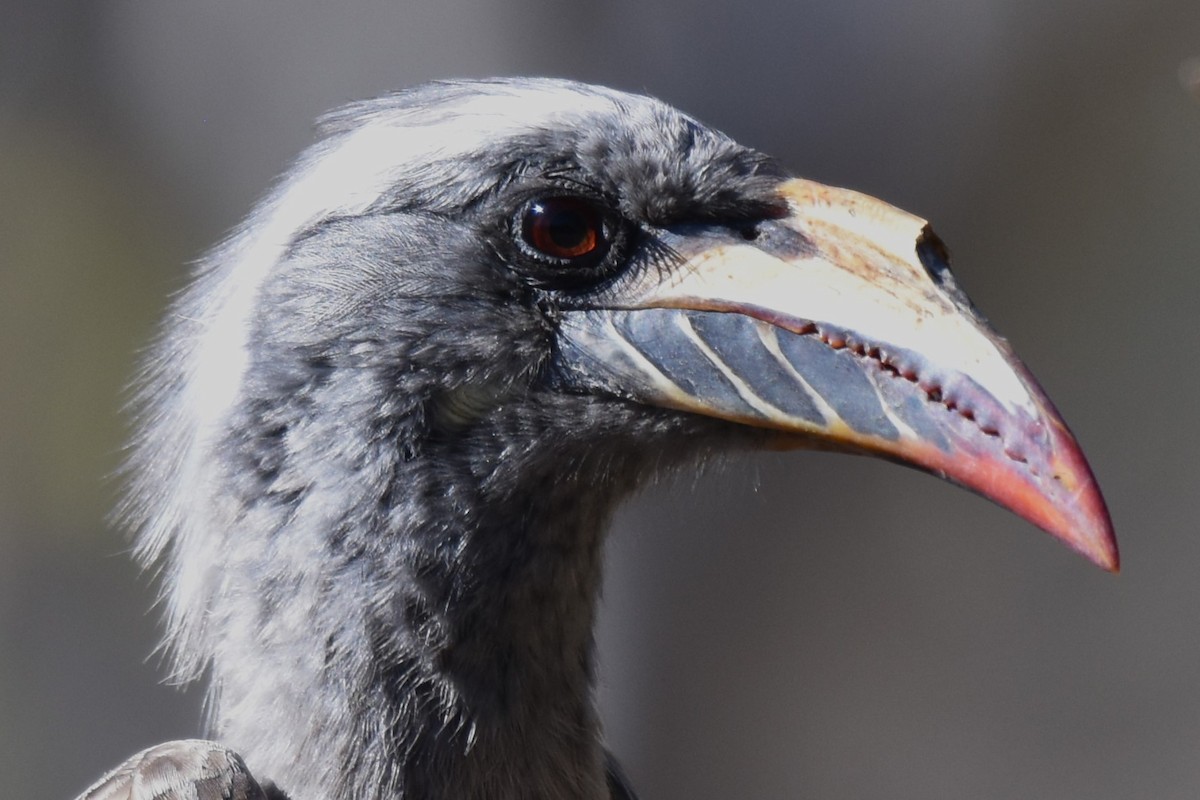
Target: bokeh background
[[797, 626]]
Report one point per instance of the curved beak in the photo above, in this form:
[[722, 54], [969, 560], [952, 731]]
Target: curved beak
[[839, 326]]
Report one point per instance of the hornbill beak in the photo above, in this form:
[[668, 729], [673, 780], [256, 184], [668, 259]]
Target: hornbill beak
[[839, 326]]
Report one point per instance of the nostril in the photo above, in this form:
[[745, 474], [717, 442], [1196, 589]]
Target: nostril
[[749, 232], [933, 255]]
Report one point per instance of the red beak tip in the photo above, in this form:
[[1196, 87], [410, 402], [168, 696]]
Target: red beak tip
[[1109, 557], [1095, 541]]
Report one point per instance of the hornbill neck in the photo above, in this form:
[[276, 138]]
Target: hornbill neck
[[441, 632]]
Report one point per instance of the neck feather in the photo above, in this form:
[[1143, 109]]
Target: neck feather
[[414, 622]]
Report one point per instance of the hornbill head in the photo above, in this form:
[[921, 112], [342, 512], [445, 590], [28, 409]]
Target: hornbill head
[[590, 256], [387, 422]]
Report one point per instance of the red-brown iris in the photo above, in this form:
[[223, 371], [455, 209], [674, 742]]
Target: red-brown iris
[[566, 228]]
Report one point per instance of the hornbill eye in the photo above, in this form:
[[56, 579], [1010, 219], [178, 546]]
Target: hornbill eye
[[569, 230]]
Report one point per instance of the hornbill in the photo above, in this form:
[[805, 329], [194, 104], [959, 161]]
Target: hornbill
[[385, 427]]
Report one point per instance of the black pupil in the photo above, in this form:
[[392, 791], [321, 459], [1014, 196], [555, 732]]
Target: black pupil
[[567, 227]]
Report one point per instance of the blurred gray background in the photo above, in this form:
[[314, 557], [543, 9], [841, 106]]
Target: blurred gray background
[[800, 625]]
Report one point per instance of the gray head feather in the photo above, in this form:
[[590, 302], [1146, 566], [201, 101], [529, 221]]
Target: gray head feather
[[378, 520]]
